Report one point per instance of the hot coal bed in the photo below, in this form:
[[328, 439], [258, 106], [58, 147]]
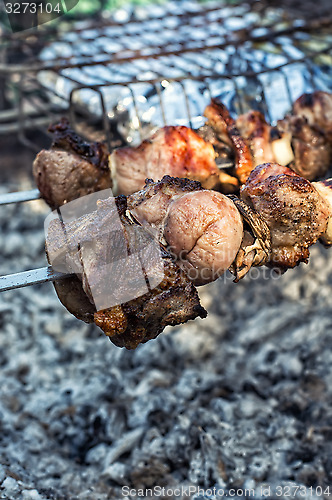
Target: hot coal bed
[[236, 404]]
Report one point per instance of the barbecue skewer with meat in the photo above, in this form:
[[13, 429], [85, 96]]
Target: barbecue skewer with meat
[[73, 167], [277, 205], [297, 141], [176, 151], [88, 244]]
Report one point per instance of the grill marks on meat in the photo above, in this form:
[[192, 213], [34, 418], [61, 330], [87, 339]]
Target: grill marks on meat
[[292, 208], [172, 301], [220, 120], [177, 151], [71, 168]]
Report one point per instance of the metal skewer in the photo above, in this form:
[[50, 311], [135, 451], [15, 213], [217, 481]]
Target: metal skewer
[[19, 196], [27, 278]]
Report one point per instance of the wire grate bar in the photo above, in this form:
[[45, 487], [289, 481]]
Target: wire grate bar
[[154, 50]]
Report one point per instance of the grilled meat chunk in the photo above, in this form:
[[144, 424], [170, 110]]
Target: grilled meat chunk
[[225, 127], [256, 132], [176, 151], [325, 190], [115, 259], [312, 151], [71, 168], [150, 205], [172, 302], [203, 228], [317, 109], [292, 208]]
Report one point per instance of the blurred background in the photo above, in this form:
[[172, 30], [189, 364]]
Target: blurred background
[[239, 400]]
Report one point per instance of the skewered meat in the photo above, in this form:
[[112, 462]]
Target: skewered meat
[[292, 208], [256, 132], [301, 141], [151, 204], [223, 151], [204, 230], [312, 151], [71, 168], [176, 151], [88, 244], [325, 190], [317, 109], [225, 127]]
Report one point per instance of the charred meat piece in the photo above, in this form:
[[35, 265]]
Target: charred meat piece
[[71, 168], [176, 151], [292, 208], [312, 151], [256, 132], [224, 151], [317, 109], [225, 127], [158, 291], [172, 302]]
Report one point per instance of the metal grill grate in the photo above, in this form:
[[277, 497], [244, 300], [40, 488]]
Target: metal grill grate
[[101, 72]]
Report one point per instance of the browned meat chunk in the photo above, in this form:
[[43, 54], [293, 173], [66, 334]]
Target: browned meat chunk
[[173, 301], [317, 109], [324, 188], [292, 208], [151, 204], [176, 151], [225, 127], [312, 151], [162, 295], [71, 168], [203, 228], [256, 132]]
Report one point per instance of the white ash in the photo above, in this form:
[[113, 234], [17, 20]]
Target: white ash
[[238, 400]]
